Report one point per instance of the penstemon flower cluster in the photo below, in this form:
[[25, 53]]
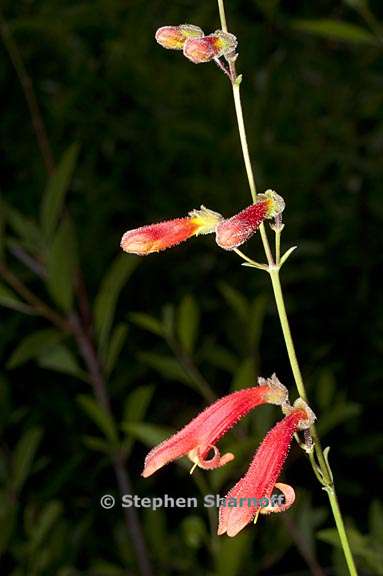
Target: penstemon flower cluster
[[197, 440], [195, 45]]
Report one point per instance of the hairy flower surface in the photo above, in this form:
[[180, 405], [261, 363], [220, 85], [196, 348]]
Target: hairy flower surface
[[200, 50], [156, 237], [234, 231], [199, 437], [174, 37], [262, 475]]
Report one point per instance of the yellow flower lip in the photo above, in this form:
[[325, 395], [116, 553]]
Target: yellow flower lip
[[276, 203], [206, 220]]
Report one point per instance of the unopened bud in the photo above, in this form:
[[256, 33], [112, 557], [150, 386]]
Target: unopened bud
[[200, 50], [174, 37]]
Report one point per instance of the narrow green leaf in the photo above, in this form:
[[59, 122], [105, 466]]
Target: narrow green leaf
[[106, 300], [167, 366], [56, 189], [31, 346], [219, 356], [61, 265], [235, 299], [194, 531], [340, 412], [9, 300], [376, 522], [100, 417], [135, 410], [360, 545], [116, 344], [96, 444], [256, 321], [45, 523], [231, 553], [149, 434], [336, 30], [147, 322], [60, 359], [287, 255], [24, 228], [158, 535], [325, 389], [8, 516], [23, 457], [137, 403], [168, 320], [188, 322], [244, 376]]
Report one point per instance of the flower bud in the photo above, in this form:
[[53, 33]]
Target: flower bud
[[234, 231], [200, 50], [174, 37]]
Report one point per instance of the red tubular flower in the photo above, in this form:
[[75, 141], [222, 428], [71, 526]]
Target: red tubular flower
[[200, 50], [156, 237], [174, 37], [262, 475], [234, 231], [199, 437]]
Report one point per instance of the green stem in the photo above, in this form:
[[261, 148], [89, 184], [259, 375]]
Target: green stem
[[280, 303], [222, 15], [325, 472], [246, 158], [342, 532], [279, 300], [278, 246], [243, 138], [278, 294]]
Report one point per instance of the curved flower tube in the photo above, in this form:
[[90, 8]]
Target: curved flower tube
[[262, 475], [234, 231], [198, 438], [156, 237]]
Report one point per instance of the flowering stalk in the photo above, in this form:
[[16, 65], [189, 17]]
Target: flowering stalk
[[322, 469]]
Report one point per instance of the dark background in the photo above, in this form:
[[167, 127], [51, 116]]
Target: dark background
[[150, 137]]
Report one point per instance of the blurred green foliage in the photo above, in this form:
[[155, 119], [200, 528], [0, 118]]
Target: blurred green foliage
[[139, 134]]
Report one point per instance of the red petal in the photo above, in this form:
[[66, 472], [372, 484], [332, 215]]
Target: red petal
[[209, 426], [236, 230], [260, 479], [156, 237]]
